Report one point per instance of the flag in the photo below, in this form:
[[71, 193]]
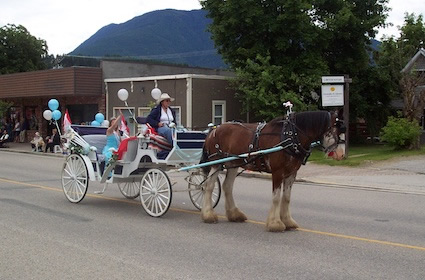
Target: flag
[[66, 122], [124, 128]]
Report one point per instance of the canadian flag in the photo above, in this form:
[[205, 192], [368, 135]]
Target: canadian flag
[[66, 122], [124, 128]]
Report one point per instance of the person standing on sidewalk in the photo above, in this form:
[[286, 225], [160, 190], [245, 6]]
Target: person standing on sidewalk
[[16, 131]]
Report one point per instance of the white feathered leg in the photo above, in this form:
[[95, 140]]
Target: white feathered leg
[[207, 213], [285, 213], [233, 213]]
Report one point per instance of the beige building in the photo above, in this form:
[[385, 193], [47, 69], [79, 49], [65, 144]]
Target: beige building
[[199, 99]]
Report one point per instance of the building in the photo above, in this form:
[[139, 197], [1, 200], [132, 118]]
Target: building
[[79, 89], [200, 93], [199, 99]]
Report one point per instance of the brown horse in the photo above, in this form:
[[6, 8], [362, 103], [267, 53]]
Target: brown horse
[[294, 134]]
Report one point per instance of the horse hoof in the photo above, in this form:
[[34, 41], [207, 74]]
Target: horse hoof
[[236, 215], [291, 224], [209, 218], [276, 226]]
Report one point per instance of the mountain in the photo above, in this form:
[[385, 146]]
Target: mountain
[[167, 35]]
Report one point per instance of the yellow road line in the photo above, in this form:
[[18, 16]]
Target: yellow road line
[[223, 217]]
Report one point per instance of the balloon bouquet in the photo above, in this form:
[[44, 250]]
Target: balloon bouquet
[[99, 120], [53, 113]]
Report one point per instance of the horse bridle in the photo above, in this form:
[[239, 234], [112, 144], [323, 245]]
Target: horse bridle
[[339, 124]]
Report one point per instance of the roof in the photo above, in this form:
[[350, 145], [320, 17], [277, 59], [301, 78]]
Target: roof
[[167, 77], [68, 81], [418, 59]]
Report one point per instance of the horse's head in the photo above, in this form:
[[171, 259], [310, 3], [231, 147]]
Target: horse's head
[[333, 141]]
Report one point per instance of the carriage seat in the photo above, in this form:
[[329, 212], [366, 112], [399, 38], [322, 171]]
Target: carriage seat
[[99, 142]]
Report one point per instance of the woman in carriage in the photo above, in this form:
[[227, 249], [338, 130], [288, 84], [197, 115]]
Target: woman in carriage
[[160, 119], [162, 116]]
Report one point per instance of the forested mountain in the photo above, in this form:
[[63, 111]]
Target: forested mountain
[[167, 35]]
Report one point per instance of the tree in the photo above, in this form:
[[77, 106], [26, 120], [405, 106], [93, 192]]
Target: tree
[[20, 51], [413, 95], [281, 48], [394, 55], [4, 106]]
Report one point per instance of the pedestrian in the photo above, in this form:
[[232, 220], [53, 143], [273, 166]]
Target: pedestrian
[[16, 131]]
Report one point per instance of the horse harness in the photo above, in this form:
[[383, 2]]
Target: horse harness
[[288, 140]]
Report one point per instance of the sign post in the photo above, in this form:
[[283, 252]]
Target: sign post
[[336, 93]]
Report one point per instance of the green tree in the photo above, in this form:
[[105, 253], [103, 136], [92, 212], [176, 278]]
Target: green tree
[[4, 106], [395, 53], [281, 48], [20, 51]]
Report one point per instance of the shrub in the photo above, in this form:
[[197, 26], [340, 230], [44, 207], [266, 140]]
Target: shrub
[[400, 132]]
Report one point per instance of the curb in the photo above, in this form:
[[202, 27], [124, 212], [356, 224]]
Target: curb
[[32, 153]]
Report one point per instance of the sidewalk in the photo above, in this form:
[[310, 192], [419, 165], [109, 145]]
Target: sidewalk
[[404, 175], [26, 148]]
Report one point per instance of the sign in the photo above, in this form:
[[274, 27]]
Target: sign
[[332, 95], [332, 79]]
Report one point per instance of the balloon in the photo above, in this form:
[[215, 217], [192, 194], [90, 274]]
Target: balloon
[[105, 123], [47, 114], [95, 123], [123, 94], [156, 93], [99, 117], [56, 115], [53, 104]]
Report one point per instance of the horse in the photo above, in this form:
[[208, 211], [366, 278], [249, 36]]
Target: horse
[[294, 133]]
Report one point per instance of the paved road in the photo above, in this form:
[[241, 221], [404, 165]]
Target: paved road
[[347, 233]]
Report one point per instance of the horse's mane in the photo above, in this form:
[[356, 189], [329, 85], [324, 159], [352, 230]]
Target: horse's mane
[[308, 121]]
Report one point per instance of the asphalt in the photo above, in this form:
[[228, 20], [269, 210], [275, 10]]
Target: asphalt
[[403, 175]]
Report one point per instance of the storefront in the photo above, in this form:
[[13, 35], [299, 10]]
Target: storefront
[[78, 89]]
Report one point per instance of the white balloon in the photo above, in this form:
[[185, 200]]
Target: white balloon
[[47, 114], [105, 123], [123, 94], [156, 93]]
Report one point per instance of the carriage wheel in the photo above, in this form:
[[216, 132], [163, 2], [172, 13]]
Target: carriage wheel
[[155, 192], [130, 190], [75, 178], [197, 186]]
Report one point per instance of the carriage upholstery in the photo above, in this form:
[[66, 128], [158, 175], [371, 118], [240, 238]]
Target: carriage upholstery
[[99, 142]]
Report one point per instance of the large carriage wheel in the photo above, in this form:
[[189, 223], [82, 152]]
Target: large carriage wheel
[[130, 190], [197, 184], [155, 192], [75, 178]]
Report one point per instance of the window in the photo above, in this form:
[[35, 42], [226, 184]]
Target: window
[[218, 111], [178, 120], [143, 111]]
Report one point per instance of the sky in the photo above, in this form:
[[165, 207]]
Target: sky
[[65, 24]]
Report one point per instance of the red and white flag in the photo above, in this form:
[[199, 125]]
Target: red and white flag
[[124, 128], [66, 122]]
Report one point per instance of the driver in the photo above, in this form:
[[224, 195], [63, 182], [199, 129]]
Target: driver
[[162, 116]]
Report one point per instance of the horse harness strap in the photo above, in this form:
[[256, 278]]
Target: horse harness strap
[[289, 138], [254, 144]]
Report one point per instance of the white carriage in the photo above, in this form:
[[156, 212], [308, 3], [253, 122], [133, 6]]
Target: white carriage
[[139, 172]]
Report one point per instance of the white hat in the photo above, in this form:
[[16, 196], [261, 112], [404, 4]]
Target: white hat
[[163, 97]]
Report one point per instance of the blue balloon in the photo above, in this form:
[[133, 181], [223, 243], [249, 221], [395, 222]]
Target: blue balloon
[[95, 123], [99, 117], [53, 104], [56, 115]]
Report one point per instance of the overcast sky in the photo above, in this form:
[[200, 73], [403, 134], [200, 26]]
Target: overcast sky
[[66, 24]]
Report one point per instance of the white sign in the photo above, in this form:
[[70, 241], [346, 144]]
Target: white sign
[[332, 95], [332, 79]]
